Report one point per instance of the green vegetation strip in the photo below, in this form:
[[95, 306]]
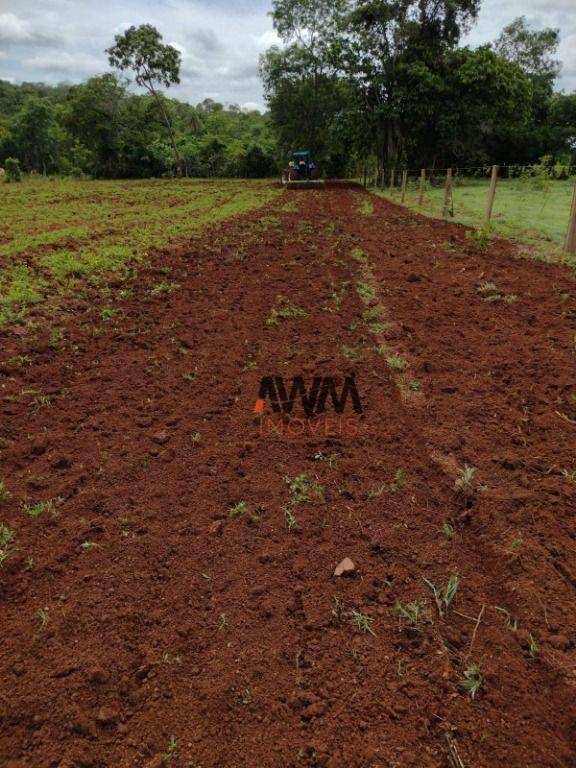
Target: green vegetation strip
[[533, 212], [59, 234]]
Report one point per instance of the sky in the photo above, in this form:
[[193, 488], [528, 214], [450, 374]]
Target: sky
[[220, 40]]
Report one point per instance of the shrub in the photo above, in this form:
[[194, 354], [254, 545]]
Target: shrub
[[12, 168]]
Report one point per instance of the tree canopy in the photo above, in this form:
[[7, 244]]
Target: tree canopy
[[385, 81]]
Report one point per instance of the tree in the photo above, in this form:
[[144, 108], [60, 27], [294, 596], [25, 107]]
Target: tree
[[93, 116], [563, 125], [386, 43], [141, 50], [304, 100], [301, 81], [35, 133], [351, 67], [532, 50]]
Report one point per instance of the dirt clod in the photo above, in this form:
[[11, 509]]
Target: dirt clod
[[345, 567]]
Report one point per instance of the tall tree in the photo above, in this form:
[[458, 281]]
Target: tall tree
[[387, 42], [140, 49], [92, 116], [300, 80], [36, 134], [533, 50]]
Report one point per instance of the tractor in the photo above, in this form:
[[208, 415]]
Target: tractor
[[302, 171]]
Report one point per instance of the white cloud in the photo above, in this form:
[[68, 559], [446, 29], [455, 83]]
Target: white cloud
[[220, 40], [74, 66], [13, 29]]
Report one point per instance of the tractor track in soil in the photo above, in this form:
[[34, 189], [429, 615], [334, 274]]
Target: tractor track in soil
[[229, 638]]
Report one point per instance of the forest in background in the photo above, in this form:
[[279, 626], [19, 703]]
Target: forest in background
[[381, 82], [101, 129]]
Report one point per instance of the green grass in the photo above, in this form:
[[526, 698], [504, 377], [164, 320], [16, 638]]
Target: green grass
[[536, 215], [58, 235]]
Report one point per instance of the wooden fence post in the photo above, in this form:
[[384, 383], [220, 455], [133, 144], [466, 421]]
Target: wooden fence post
[[447, 192], [491, 195], [570, 247], [422, 184], [392, 179], [404, 183]]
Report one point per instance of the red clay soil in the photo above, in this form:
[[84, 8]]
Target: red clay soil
[[143, 625]]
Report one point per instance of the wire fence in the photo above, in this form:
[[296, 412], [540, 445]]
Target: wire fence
[[535, 204]]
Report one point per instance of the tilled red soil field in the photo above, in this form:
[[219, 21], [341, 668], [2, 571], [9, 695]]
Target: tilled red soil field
[[176, 603]]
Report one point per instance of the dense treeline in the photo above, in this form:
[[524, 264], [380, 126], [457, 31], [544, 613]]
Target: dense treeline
[[389, 79], [356, 81], [101, 129]]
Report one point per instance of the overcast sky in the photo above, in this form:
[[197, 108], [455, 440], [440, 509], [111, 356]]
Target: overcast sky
[[220, 40]]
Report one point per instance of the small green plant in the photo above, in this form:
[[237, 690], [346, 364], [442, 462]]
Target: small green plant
[[399, 480], [378, 328], [56, 336], [349, 353], [565, 473], [170, 750], [164, 287], [44, 617], [444, 596], [396, 363], [301, 488], [337, 607], [415, 386], [533, 648], [222, 621], [366, 207], [465, 477], [338, 295], [330, 460], [366, 292], [448, 530], [170, 658], [412, 613], [289, 519], [375, 493], [284, 311], [372, 315], [5, 494], [35, 510], [88, 545], [237, 509], [487, 288], [480, 238], [510, 622], [6, 538], [472, 681], [516, 544], [107, 313], [195, 438], [41, 401], [359, 255], [362, 622]]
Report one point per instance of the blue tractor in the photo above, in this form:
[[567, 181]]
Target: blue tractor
[[301, 171]]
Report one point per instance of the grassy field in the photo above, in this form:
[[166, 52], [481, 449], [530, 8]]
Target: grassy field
[[58, 235], [532, 212]]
